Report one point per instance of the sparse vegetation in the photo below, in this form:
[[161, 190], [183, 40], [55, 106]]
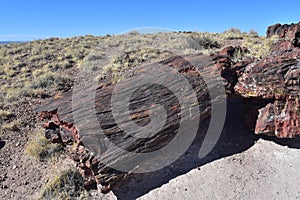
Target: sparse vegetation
[[13, 126], [67, 184], [5, 115], [138, 49], [50, 79], [233, 34], [26, 68], [40, 148], [260, 46]]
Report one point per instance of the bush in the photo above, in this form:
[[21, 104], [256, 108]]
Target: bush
[[94, 56], [65, 185], [51, 80], [253, 33], [134, 32], [5, 115], [204, 40], [13, 126], [260, 47], [40, 148], [232, 34], [234, 30]]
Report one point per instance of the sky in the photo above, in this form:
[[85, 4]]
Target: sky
[[30, 20]]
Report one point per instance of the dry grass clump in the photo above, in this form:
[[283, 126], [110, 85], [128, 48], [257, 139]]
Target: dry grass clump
[[12, 126], [50, 79], [5, 115], [67, 184], [40, 148], [5, 125], [260, 47], [202, 41]]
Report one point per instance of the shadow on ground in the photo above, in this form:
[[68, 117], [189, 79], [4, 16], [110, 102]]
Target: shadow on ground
[[2, 144], [235, 138]]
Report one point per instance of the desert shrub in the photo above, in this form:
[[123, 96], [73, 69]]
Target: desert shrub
[[12, 126], [67, 64], [234, 30], [95, 55], [67, 184], [79, 55], [51, 79], [8, 70], [40, 148], [2, 98], [253, 33], [35, 58], [134, 32], [14, 94], [36, 93], [260, 46], [203, 41], [5, 115], [232, 34]]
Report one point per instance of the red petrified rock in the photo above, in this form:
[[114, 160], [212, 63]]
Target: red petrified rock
[[283, 45], [58, 131], [281, 118], [231, 51], [285, 31], [275, 78]]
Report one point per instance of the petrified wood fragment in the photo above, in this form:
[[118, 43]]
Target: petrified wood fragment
[[276, 79]]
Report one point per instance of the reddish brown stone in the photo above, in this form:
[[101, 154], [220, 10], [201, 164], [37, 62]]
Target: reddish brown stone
[[57, 130], [285, 31], [281, 119], [283, 46], [232, 51], [275, 78]]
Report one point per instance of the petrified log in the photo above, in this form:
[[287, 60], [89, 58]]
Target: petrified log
[[183, 88], [285, 31], [275, 79], [289, 33]]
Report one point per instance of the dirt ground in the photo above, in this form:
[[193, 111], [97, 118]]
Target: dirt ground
[[265, 171]]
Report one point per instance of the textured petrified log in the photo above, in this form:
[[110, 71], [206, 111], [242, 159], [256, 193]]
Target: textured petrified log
[[276, 79], [63, 111], [285, 31], [289, 33]]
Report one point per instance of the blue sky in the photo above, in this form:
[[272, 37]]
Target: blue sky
[[27, 20]]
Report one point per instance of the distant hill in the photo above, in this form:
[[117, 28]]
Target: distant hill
[[8, 42]]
